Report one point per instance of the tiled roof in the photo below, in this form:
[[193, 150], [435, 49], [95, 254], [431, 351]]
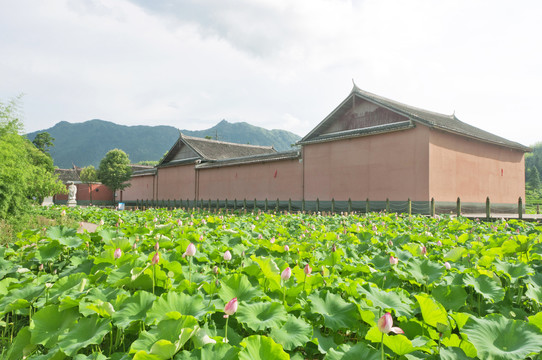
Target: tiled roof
[[67, 175], [213, 150], [284, 155], [432, 119]]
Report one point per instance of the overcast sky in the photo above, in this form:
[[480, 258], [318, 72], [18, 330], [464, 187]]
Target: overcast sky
[[279, 64]]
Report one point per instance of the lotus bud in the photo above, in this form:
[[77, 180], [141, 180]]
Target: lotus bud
[[260, 236], [334, 248], [272, 240], [231, 307], [179, 222], [155, 258], [385, 325], [307, 269], [134, 246], [286, 248], [190, 250], [102, 222], [286, 274], [63, 213], [41, 267], [227, 255], [394, 260], [423, 250], [156, 246], [447, 265], [439, 243], [215, 270], [117, 254]]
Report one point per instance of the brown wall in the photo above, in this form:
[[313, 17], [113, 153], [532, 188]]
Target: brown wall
[[473, 170], [142, 188], [391, 165], [271, 180], [176, 182]]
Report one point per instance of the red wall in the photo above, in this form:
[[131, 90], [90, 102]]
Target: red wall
[[473, 170], [100, 193], [176, 182], [271, 180], [392, 165], [142, 188]]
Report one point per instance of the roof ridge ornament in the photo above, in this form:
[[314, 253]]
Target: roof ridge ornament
[[355, 88]]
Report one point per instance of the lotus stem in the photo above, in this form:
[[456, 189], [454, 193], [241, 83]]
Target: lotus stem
[[226, 332]]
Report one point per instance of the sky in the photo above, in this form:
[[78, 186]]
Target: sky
[[278, 64]]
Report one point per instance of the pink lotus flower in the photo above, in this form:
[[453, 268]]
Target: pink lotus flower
[[286, 274], [394, 260], [447, 265], [286, 248], [385, 325], [117, 254], [439, 243], [423, 250], [272, 240], [179, 222], [307, 269], [231, 307], [155, 258], [190, 250], [227, 255]]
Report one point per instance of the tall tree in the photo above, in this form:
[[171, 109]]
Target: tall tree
[[114, 170], [89, 175], [26, 174], [43, 141]]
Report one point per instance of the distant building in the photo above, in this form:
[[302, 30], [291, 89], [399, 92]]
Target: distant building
[[369, 147]]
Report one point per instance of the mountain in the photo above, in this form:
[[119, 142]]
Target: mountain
[[86, 143]]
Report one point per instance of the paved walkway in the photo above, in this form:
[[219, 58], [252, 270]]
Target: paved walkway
[[90, 227]]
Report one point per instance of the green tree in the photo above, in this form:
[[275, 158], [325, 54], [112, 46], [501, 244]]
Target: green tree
[[26, 174], [89, 175], [43, 141], [114, 170]]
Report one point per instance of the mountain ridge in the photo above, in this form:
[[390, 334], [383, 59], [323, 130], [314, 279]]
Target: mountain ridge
[[86, 143]]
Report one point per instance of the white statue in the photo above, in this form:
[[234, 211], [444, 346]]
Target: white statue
[[72, 192]]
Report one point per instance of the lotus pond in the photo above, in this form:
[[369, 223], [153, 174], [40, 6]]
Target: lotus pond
[[161, 284]]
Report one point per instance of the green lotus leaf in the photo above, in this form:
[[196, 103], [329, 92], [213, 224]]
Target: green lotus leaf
[[337, 313], [238, 286], [21, 347], [143, 355], [513, 271], [453, 353], [49, 322], [103, 309], [270, 271], [71, 241], [176, 331], [293, 333], [257, 347], [19, 298], [85, 332], [49, 252], [182, 303], [67, 286], [498, 338], [452, 297], [487, 287], [424, 271], [355, 352], [433, 312], [384, 300], [133, 309], [219, 350], [399, 344], [261, 315], [325, 343], [95, 356], [60, 232], [536, 320], [455, 254]]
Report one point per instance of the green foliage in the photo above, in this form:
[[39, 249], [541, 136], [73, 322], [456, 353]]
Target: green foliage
[[115, 170], [86, 143], [147, 163], [88, 176], [43, 141], [84, 303], [26, 174]]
